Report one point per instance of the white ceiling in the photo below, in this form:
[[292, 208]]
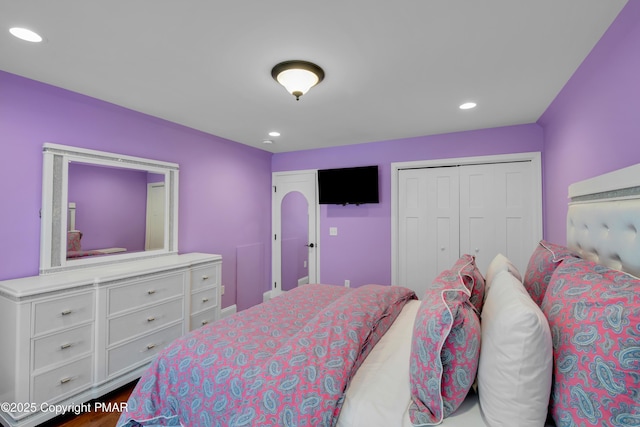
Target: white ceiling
[[394, 69]]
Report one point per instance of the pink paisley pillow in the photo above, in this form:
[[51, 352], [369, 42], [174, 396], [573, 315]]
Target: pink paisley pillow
[[467, 270], [73, 240], [543, 262], [594, 317], [444, 352]]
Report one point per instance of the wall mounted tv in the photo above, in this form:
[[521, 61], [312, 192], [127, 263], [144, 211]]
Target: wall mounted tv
[[348, 186]]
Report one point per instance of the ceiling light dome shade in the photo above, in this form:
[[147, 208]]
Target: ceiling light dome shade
[[297, 76]]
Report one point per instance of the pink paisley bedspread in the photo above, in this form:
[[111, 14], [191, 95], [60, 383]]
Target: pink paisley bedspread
[[286, 362]]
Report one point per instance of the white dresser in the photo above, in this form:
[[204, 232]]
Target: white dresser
[[73, 336]]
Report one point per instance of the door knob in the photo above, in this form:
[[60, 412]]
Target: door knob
[[310, 245]]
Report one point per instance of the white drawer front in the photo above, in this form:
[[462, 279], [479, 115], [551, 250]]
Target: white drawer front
[[62, 346], [145, 320], [133, 354], [62, 312], [203, 318], [148, 291], [205, 276], [53, 385], [204, 300]]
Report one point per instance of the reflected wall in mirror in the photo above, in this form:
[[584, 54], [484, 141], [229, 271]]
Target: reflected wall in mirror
[[119, 208], [295, 240]]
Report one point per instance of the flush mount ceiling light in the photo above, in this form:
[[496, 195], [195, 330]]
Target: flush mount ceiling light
[[468, 105], [297, 76], [25, 34]]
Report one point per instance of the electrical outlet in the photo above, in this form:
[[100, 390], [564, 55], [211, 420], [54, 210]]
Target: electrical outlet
[[347, 283], [222, 289]]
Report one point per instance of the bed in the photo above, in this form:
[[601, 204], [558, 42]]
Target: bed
[[74, 247], [557, 344]]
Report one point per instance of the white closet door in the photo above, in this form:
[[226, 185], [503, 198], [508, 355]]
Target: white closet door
[[514, 212], [478, 210], [428, 225], [496, 212], [444, 212]]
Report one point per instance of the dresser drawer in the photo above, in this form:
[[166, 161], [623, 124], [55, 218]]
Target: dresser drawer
[[205, 276], [54, 385], [203, 318], [62, 312], [147, 291], [135, 353], [62, 346], [146, 320], [204, 300]]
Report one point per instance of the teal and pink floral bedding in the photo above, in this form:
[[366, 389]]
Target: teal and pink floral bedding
[[283, 363]]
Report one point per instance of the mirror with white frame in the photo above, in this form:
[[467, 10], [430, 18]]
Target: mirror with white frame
[[100, 207]]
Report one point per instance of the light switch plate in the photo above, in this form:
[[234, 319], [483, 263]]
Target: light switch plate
[[333, 231]]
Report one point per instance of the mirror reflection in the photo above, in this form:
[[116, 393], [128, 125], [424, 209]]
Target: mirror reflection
[[113, 210], [295, 237], [100, 207]]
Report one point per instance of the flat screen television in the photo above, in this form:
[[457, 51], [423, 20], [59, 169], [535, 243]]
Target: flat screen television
[[348, 186]]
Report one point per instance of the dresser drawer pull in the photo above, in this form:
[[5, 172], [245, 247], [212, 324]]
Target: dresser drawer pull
[[205, 299], [151, 346], [65, 346], [66, 380], [151, 319], [205, 277], [64, 313], [151, 292], [204, 322]]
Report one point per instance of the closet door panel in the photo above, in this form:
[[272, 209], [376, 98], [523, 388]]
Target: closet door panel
[[514, 185], [443, 204], [428, 225], [477, 213]]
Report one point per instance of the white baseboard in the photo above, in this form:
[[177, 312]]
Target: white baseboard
[[303, 281], [228, 311], [266, 296]]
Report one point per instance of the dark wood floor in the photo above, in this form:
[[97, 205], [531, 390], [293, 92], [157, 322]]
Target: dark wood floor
[[95, 419]]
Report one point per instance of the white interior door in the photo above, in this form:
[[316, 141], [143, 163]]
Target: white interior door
[[479, 213], [295, 255], [428, 225], [480, 209], [154, 238], [508, 211]]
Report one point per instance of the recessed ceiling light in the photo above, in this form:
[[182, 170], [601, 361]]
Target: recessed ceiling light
[[467, 105], [267, 141], [25, 34], [274, 133]]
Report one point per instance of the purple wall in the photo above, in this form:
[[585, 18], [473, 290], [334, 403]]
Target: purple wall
[[593, 125], [213, 172], [361, 252], [111, 206]]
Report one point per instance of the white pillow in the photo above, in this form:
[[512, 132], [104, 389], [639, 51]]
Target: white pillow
[[499, 263], [516, 356]]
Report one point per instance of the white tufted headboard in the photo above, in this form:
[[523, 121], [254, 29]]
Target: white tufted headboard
[[603, 221]]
